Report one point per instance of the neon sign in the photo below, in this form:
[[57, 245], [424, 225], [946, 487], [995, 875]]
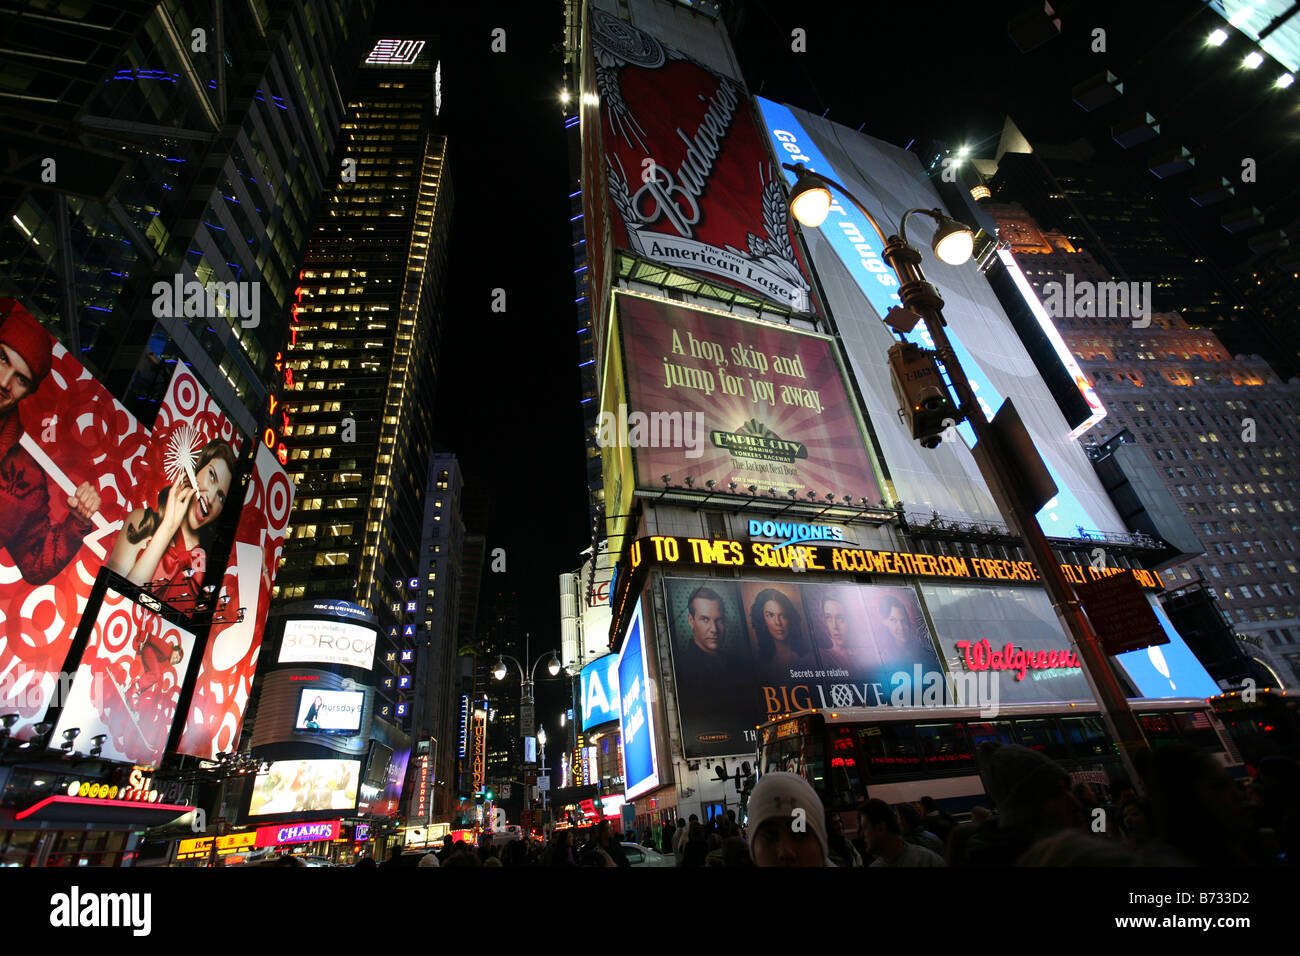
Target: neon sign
[[980, 656]]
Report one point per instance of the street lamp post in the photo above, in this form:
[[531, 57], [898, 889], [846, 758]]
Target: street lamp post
[[527, 713], [809, 203]]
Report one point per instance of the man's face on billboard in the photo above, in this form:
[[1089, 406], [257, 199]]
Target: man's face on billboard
[[837, 624], [707, 624], [15, 378]]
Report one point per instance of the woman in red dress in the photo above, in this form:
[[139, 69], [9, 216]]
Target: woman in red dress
[[159, 548]]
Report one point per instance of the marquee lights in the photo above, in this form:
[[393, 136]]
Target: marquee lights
[[706, 552]]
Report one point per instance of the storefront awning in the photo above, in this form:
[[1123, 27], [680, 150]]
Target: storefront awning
[[125, 814]]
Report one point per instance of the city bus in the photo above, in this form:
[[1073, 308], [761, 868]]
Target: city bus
[[899, 755], [1262, 724]]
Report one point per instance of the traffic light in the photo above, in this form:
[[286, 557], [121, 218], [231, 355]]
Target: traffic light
[[487, 794], [921, 393]]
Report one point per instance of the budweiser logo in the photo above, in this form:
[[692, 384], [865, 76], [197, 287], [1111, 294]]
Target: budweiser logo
[[677, 198]]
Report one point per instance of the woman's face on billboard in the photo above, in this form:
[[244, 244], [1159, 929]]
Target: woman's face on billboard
[[896, 623], [774, 618], [837, 624], [214, 483]]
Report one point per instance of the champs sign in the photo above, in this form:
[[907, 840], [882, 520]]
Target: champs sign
[[687, 169]]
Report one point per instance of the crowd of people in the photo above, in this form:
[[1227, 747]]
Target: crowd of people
[[1190, 814]]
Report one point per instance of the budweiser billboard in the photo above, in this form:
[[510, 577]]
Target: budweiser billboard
[[689, 176]]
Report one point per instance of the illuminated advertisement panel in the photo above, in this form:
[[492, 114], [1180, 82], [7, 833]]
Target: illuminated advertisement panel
[[291, 833], [636, 713], [690, 182], [300, 786], [229, 663], [847, 254], [328, 642], [128, 682], [976, 623], [714, 398], [746, 651], [599, 681], [86, 486], [330, 711], [1058, 344], [1167, 670]]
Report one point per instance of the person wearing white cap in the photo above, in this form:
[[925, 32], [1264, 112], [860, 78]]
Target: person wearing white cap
[[787, 823]]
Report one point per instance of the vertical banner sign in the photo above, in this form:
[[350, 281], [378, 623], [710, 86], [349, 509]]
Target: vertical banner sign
[[688, 174], [230, 661], [858, 247], [640, 765], [480, 749]]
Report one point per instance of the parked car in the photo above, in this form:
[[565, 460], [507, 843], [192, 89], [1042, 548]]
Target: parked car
[[507, 834], [644, 856]]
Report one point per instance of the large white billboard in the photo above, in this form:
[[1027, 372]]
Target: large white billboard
[[328, 642], [860, 287]]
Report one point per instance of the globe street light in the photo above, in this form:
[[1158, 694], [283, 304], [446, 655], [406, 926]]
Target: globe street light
[[952, 243], [499, 671]]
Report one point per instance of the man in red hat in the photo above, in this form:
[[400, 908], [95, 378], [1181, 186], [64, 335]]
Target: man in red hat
[[39, 549]]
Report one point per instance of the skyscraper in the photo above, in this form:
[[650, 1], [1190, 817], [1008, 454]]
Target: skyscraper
[[1219, 430], [443, 566], [363, 346], [183, 144], [771, 349]]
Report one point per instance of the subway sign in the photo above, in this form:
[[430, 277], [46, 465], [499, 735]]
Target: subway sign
[[706, 552]]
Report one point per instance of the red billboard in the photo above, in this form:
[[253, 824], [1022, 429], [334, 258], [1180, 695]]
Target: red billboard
[[230, 659], [712, 397], [128, 682], [689, 176], [83, 486]]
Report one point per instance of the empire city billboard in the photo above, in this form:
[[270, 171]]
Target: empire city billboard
[[715, 398]]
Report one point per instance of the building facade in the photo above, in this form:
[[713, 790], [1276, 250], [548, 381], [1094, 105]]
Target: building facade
[[1218, 429], [186, 148], [362, 354], [774, 508]]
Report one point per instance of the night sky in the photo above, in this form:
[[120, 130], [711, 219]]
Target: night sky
[[509, 385]]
